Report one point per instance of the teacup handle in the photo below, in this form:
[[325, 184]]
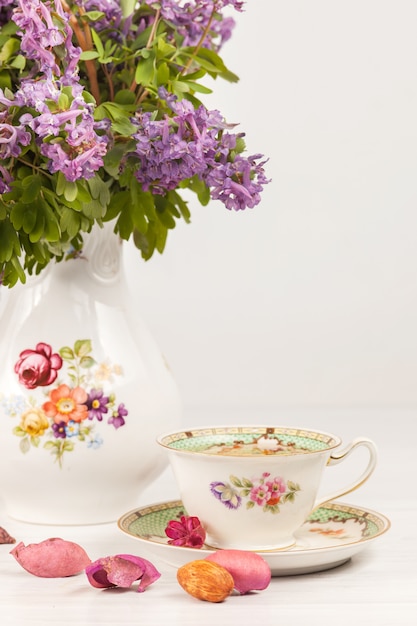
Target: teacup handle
[[343, 454]]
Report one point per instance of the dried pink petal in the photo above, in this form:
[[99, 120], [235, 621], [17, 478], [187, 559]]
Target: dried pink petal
[[52, 558], [187, 532], [5, 537], [121, 570], [249, 570]]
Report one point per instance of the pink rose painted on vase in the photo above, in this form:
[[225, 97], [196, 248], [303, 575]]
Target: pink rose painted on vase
[[39, 367]]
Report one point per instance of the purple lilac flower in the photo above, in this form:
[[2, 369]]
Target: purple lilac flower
[[174, 149], [5, 180], [111, 9], [80, 155], [191, 18], [97, 404], [237, 184], [117, 419], [193, 142], [72, 164], [12, 138], [226, 494], [34, 94], [59, 430], [38, 33], [6, 11]]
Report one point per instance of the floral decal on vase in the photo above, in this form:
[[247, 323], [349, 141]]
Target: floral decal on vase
[[266, 492], [68, 410]]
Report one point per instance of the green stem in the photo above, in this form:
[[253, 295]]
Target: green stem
[[200, 43]]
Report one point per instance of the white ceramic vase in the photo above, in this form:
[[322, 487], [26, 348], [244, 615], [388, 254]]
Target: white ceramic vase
[[84, 392]]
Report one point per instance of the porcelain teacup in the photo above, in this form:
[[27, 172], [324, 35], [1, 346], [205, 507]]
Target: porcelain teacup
[[252, 487]]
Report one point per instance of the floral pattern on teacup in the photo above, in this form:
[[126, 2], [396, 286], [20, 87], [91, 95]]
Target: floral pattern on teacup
[[266, 492], [63, 411]]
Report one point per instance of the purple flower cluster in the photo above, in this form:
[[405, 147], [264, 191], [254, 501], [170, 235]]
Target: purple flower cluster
[[112, 12], [61, 120], [192, 17], [12, 138], [40, 35], [50, 112], [193, 142]]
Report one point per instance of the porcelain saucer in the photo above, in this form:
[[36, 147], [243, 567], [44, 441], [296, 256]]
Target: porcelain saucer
[[331, 536]]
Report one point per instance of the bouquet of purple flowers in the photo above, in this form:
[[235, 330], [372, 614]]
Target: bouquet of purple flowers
[[101, 119]]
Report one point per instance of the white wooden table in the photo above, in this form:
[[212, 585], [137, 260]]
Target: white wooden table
[[377, 586]]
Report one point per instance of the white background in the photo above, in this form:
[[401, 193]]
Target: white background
[[310, 299]]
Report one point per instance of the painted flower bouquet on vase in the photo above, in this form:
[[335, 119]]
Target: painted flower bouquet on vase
[[102, 133]]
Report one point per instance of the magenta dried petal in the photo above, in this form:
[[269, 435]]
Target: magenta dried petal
[[121, 570], [249, 570], [52, 558], [150, 573], [97, 575], [5, 537], [187, 532], [174, 530]]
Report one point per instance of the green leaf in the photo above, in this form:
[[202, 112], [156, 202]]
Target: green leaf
[[89, 55], [38, 230], [24, 445], [165, 49], [9, 242], [82, 347], [87, 361], [67, 353], [19, 62], [17, 215], [293, 486], [145, 71], [166, 218], [162, 74], [99, 190], [200, 188], [194, 86], [247, 483], [70, 190], [125, 96], [31, 186], [125, 223], [182, 206], [11, 46], [93, 16], [145, 243], [97, 42], [30, 218], [179, 87], [70, 222]]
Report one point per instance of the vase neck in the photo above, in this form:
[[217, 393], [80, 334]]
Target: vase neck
[[103, 251]]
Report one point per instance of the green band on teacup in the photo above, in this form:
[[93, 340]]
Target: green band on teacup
[[250, 441]]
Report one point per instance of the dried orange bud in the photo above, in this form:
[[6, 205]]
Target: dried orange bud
[[205, 580]]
